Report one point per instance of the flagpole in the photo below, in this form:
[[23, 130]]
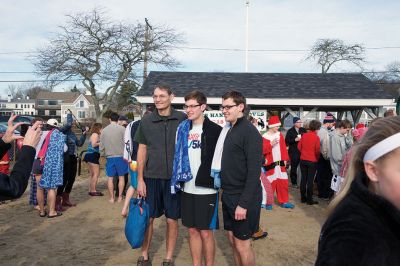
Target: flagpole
[[247, 37]]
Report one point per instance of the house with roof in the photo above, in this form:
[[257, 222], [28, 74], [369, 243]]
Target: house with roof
[[48, 103], [81, 106], [287, 94], [17, 106]]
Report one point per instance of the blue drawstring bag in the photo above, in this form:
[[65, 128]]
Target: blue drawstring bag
[[137, 222]]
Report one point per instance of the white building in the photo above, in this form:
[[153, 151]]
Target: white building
[[17, 106], [82, 108]]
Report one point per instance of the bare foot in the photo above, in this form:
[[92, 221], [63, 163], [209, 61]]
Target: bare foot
[[111, 200], [119, 199], [37, 207]]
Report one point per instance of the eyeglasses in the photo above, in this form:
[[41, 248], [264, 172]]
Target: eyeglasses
[[226, 107], [185, 107], [161, 97]]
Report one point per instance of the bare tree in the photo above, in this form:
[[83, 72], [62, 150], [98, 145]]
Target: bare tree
[[328, 52], [104, 53]]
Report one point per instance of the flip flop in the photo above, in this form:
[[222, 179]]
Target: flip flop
[[97, 193], [43, 214], [53, 216]]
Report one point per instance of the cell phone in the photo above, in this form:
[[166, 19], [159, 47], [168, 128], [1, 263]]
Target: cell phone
[[24, 129]]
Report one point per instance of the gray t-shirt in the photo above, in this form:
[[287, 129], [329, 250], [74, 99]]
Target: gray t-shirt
[[112, 140]]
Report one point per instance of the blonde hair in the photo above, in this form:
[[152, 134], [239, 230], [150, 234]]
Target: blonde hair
[[379, 130]]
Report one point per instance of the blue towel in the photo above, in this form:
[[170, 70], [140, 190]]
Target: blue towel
[[181, 169], [52, 176]]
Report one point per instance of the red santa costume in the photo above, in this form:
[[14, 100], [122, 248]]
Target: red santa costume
[[276, 158], [267, 192]]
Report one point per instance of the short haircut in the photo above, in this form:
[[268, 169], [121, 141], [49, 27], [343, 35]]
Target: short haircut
[[37, 119], [236, 96], [314, 125], [114, 117], [343, 124], [164, 87], [196, 95]]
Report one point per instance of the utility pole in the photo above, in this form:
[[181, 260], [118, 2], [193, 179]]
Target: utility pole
[[146, 38], [247, 37]]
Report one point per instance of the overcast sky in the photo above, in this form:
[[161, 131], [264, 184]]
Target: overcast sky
[[273, 25]]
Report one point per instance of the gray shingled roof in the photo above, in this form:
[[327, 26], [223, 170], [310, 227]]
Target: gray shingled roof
[[268, 85]]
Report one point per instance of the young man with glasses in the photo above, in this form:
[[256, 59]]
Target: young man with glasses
[[240, 178], [156, 137], [197, 137]]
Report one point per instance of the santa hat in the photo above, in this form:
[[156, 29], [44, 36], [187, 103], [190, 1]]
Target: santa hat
[[274, 121], [329, 118], [360, 125]]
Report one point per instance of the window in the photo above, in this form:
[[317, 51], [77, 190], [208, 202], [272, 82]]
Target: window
[[41, 102], [24, 105], [80, 104], [32, 113], [52, 112], [33, 106], [53, 102], [40, 112], [16, 106], [81, 114]]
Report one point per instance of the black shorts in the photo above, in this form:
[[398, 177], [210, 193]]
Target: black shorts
[[242, 229], [160, 199], [200, 211], [92, 157], [37, 168]]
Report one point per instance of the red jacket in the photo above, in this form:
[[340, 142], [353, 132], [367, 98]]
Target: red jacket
[[309, 146]]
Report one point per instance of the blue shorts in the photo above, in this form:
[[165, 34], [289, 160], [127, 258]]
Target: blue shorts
[[116, 166], [160, 199]]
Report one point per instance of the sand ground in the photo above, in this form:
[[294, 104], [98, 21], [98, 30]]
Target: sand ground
[[93, 234]]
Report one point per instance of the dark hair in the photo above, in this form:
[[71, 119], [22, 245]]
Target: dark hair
[[164, 87], [236, 96], [196, 95], [114, 117], [389, 112], [95, 128], [343, 124], [37, 119], [314, 125]]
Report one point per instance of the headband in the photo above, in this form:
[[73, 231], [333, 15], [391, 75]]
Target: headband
[[383, 147]]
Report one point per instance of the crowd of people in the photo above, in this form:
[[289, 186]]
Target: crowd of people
[[183, 164]]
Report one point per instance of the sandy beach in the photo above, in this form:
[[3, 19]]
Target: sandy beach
[[93, 234]]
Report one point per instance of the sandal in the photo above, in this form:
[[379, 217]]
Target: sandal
[[97, 193], [43, 214], [54, 216]]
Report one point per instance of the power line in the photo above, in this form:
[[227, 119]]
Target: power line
[[226, 49]]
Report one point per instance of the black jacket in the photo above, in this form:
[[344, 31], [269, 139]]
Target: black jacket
[[364, 229], [209, 139], [241, 163], [13, 186], [160, 134], [291, 135]]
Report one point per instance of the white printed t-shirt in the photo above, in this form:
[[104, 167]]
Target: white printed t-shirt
[[194, 145]]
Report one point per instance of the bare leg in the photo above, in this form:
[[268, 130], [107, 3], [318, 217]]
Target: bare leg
[[236, 256], [172, 235], [121, 186], [111, 189], [39, 195], [195, 246], [51, 199], [147, 240], [96, 174], [245, 251], [207, 238]]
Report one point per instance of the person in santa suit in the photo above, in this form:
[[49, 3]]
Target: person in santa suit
[[275, 164]]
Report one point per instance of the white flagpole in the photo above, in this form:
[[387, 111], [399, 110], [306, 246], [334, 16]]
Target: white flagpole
[[247, 37]]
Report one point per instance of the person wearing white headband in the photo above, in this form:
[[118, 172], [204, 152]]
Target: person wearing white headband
[[363, 227]]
